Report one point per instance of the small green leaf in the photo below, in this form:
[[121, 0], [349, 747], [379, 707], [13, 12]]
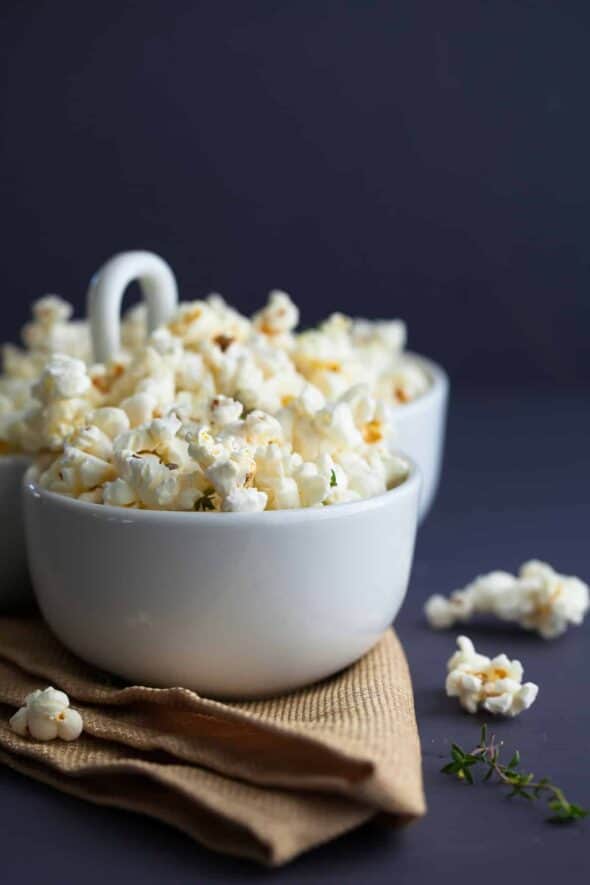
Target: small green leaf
[[556, 804], [577, 811], [333, 480], [568, 814], [515, 761], [205, 502], [468, 775]]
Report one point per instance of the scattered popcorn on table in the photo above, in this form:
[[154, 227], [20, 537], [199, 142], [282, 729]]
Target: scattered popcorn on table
[[47, 714], [538, 598], [492, 684]]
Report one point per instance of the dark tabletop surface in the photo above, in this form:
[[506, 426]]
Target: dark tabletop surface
[[516, 486]]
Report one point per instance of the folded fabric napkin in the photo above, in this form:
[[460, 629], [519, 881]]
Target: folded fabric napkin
[[265, 779]]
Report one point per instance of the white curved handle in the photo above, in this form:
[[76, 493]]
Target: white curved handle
[[105, 294]]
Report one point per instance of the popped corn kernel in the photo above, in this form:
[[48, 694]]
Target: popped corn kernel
[[62, 378], [538, 598], [110, 420], [240, 500], [279, 317], [46, 715], [492, 684]]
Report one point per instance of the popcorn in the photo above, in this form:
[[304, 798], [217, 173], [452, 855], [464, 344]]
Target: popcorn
[[212, 411], [53, 331], [112, 421], [551, 601], [342, 352], [119, 493], [539, 599], [225, 461], [377, 335], [46, 715], [231, 472], [279, 317], [76, 471], [50, 331], [192, 375], [92, 440], [409, 381], [225, 410], [312, 486], [149, 460], [493, 684], [62, 378], [244, 501], [211, 320], [155, 486], [261, 429], [139, 408], [64, 395], [48, 311], [208, 351]]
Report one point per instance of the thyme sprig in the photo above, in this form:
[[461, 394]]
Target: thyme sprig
[[487, 754]]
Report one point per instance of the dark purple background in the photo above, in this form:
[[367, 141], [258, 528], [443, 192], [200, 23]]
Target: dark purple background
[[421, 159], [427, 160]]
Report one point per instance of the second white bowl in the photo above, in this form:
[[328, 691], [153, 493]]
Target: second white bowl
[[420, 430]]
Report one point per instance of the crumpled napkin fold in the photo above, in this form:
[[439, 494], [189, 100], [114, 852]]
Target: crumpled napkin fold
[[265, 779]]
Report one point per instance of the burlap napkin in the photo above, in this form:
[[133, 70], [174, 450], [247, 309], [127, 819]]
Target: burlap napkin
[[263, 779]]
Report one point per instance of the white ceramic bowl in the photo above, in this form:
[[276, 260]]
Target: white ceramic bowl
[[14, 583], [228, 604], [420, 430]]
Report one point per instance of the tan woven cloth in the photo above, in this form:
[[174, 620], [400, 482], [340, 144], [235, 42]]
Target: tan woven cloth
[[264, 779]]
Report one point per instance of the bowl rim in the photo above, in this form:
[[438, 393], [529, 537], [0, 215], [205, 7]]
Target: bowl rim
[[411, 485]]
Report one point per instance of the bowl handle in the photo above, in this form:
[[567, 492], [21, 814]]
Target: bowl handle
[[106, 290]]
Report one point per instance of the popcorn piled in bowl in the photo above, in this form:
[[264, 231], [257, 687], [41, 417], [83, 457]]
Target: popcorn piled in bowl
[[215, 411], [343, 351], [207, 348], [51, 331], [338, 354], [165, 447]]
